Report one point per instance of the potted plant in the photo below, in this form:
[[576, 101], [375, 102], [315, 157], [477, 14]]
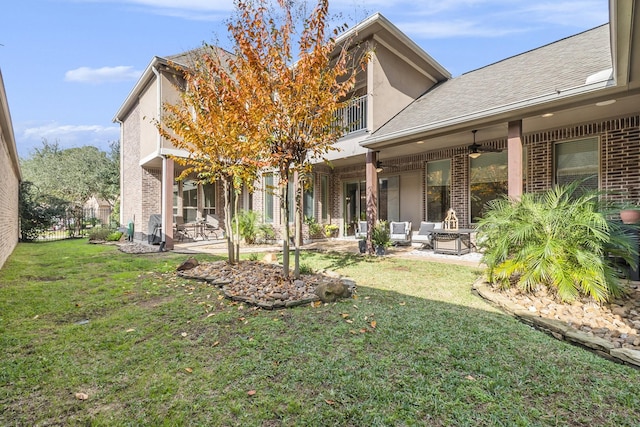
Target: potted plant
[[380, 237], [362, 245], [630, 214]]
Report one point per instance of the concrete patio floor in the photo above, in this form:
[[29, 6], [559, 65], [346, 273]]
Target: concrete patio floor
[[346, 245]]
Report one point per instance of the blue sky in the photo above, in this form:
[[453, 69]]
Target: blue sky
[[68, 65]]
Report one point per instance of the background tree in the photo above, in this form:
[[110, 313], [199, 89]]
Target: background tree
[[37, 212], [74, 174], [297, 96]]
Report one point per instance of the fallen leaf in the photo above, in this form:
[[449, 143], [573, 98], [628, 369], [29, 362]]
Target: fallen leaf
[[316, 304], [330, 402], [363, 331], [251, 392], [403, 303], [345, 315], [470, 378], [355, 306], [184, 334], [36, 316], [130, 330], [349, 321], [373, 324], [353, 331], [241, 319], [82, 396], [210, 314], [216, 343], [189, 370]]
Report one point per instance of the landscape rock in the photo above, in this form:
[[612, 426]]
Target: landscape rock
[[189, 264], [332, 291]]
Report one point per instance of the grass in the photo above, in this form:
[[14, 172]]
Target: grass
[[160, 350]]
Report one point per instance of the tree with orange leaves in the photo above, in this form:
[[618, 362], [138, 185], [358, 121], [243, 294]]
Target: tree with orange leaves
[[261, 106], [213, 122], [297, 101]]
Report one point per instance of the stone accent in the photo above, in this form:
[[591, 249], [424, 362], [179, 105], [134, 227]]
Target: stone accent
[[559, 329]]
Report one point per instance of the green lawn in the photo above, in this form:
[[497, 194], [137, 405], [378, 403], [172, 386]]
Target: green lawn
[[160, 350]]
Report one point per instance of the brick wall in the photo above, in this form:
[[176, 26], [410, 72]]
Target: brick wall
[[131, 172], [9, 186]]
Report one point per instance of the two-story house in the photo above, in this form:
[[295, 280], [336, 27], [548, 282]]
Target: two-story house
[[424, 142]]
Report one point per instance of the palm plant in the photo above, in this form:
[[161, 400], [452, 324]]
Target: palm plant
[[564, 239]]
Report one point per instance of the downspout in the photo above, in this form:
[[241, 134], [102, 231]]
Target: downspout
[[121, 214]]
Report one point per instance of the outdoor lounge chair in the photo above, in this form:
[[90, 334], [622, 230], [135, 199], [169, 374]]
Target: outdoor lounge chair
[[180, 229], [400, 232], [361, 230], [212, 226], [424, 235]]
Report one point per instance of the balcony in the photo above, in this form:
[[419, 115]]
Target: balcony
[[353, 117]]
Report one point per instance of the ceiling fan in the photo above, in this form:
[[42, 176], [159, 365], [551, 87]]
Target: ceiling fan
[[475, 149]]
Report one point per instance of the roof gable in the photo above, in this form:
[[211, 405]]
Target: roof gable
[[554, 68]]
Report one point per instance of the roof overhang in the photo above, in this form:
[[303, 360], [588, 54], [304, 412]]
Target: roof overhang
[[6, 127], [379, 29], [573, 105], [625, 41]]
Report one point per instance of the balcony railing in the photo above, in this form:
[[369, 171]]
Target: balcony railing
[[352, 117]]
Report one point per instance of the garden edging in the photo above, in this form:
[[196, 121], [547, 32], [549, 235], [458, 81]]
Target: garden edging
[[558, 329]]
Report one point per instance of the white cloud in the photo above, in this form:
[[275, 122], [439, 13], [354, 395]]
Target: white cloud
[[30, 136], [120, 73]]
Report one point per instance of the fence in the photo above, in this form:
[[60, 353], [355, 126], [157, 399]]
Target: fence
[[78, 223]]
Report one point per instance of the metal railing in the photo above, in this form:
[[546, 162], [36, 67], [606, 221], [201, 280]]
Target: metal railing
[[77, 223], [352, 117]]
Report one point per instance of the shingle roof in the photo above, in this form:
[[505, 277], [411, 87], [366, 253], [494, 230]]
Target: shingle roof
[[557, 66]]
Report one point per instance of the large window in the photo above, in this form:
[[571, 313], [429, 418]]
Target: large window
[[268, 197], [389, 198], [577, 161], [324, 197], [438, 189], [189, 200], [209, 191], [488, 181], [307, 198]]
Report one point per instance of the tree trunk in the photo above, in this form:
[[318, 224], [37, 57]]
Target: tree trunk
[[227, 222], [284, 209], [297, 218], [236, 223]]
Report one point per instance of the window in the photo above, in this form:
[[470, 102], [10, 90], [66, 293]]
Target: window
[[577, 160], [189, 200], [488, 181], [308, 210], [438, 189], [389, 198], [175, 198], [209, 207], [268, 198], [324, 197]]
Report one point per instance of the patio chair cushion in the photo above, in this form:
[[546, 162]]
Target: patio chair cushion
[[426, 228], [398, 228]]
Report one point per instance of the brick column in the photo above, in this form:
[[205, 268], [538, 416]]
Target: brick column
[[514, 159], [167, 202], [372, 194]]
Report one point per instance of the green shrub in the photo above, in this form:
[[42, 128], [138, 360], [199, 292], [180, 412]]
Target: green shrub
[[380, 234], [99, 233], [331, 230], [315, 229], [114, 236], [266, 233], [248, 224], [560, 239]]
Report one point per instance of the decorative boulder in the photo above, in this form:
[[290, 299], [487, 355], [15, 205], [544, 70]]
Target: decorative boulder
[[330, 292], [188, 264]]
